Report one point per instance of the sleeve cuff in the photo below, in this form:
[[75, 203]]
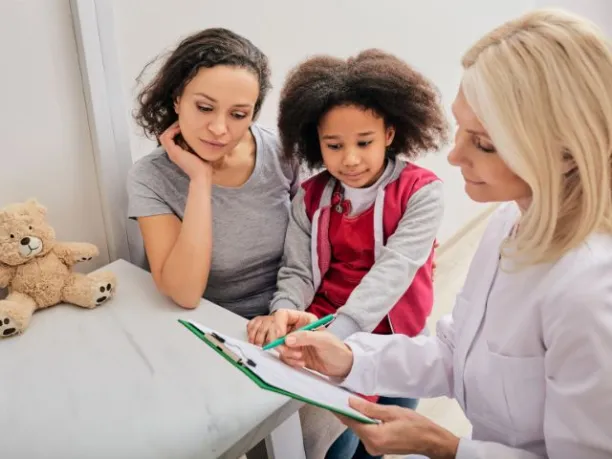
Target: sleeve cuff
[[343, 326], [150, 211], [467, 449], [282, 303], [361, 376]]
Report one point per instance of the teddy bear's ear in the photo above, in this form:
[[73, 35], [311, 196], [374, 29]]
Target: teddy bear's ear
[[35, 207]]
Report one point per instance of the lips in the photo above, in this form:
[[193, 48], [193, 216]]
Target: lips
[[473, 182], [214, 144], [353, 175]]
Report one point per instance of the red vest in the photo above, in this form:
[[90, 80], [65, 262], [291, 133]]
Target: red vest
[[346, 248], [351, 240]]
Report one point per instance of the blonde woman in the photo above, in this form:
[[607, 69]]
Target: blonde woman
[[527, 352]]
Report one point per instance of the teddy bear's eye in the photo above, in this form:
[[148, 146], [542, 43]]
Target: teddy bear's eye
[[12, 236], [30, 227]]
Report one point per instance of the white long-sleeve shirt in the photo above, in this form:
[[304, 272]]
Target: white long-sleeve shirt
[[527, 354]]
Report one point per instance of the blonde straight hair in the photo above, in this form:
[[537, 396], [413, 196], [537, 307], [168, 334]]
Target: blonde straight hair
[[541, 85]]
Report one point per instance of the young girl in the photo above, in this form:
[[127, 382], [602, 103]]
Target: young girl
[[361, 233]]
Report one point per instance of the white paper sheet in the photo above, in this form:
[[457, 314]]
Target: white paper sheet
[[302, 382]]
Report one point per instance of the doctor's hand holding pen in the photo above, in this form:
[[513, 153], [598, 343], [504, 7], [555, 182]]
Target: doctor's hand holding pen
[[401, 430]]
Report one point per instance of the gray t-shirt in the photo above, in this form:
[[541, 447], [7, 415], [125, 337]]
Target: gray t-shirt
[[249, 222]]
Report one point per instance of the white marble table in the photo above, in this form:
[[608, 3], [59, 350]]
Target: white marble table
[[126, 380]]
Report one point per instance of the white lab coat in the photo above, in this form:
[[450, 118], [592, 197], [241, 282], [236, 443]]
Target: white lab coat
[[527, 354]]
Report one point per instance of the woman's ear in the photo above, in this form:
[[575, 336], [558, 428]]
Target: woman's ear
[[569, 164], [390, 134], [177, 102]]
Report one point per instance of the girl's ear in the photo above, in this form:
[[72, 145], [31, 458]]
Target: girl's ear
[[390, 135]]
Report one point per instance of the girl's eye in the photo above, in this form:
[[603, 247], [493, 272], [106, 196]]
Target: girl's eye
[[333, 146], [364, 143]]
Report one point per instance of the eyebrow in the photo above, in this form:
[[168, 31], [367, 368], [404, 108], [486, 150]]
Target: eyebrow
[[471, 131], [215, 100], [336, 137], [480, 133]]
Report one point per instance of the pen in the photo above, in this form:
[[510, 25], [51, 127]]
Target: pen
[[311, 326]]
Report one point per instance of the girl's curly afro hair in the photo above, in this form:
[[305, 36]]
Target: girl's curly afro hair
[[373, 80]]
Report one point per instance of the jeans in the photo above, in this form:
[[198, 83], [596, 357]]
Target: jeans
[[348, 444]]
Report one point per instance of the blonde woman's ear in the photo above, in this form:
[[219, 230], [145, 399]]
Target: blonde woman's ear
[[569, 164]]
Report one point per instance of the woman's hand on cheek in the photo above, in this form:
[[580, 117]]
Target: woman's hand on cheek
[[195, 167]]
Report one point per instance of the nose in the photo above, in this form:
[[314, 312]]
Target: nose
[[454, 156], [217, 126], [457, 155], [25, 241], [351, 158]]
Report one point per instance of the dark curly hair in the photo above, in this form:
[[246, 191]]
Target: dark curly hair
[[205, 49], [373, 80]]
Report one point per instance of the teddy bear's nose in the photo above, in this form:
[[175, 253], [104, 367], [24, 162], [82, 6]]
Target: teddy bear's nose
[[25, 241]]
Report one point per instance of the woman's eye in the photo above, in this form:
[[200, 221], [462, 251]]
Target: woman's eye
[[484, 147], [239, 116], [204, 109]]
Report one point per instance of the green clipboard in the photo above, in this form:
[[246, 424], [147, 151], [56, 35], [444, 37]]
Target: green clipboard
[[216, 343]]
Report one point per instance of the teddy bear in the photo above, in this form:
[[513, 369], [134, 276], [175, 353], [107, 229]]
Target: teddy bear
[[37, 269]]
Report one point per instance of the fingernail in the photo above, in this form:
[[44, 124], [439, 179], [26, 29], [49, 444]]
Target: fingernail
[[290, 340]]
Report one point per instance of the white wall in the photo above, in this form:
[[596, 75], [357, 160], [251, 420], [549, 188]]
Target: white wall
[[598, 11], [431, 35], [46, 147]]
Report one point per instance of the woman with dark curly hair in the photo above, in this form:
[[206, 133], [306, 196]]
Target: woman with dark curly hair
[[361, 234], [213, 160]]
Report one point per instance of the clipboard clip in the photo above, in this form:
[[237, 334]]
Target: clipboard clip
[[221, 345]]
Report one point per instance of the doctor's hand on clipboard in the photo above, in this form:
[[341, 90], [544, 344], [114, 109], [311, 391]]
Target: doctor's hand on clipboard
[[401, 430]]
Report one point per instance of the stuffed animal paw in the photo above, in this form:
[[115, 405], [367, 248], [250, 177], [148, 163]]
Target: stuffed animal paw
[[90, 290]]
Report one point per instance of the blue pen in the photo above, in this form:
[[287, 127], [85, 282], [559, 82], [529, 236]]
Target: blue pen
[[311, 326]]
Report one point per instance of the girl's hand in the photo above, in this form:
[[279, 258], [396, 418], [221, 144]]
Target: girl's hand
[[264, 329], [261, 330], [195, 167], [289, 320]]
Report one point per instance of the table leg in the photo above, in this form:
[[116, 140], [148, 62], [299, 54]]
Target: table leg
[[286, 440]]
